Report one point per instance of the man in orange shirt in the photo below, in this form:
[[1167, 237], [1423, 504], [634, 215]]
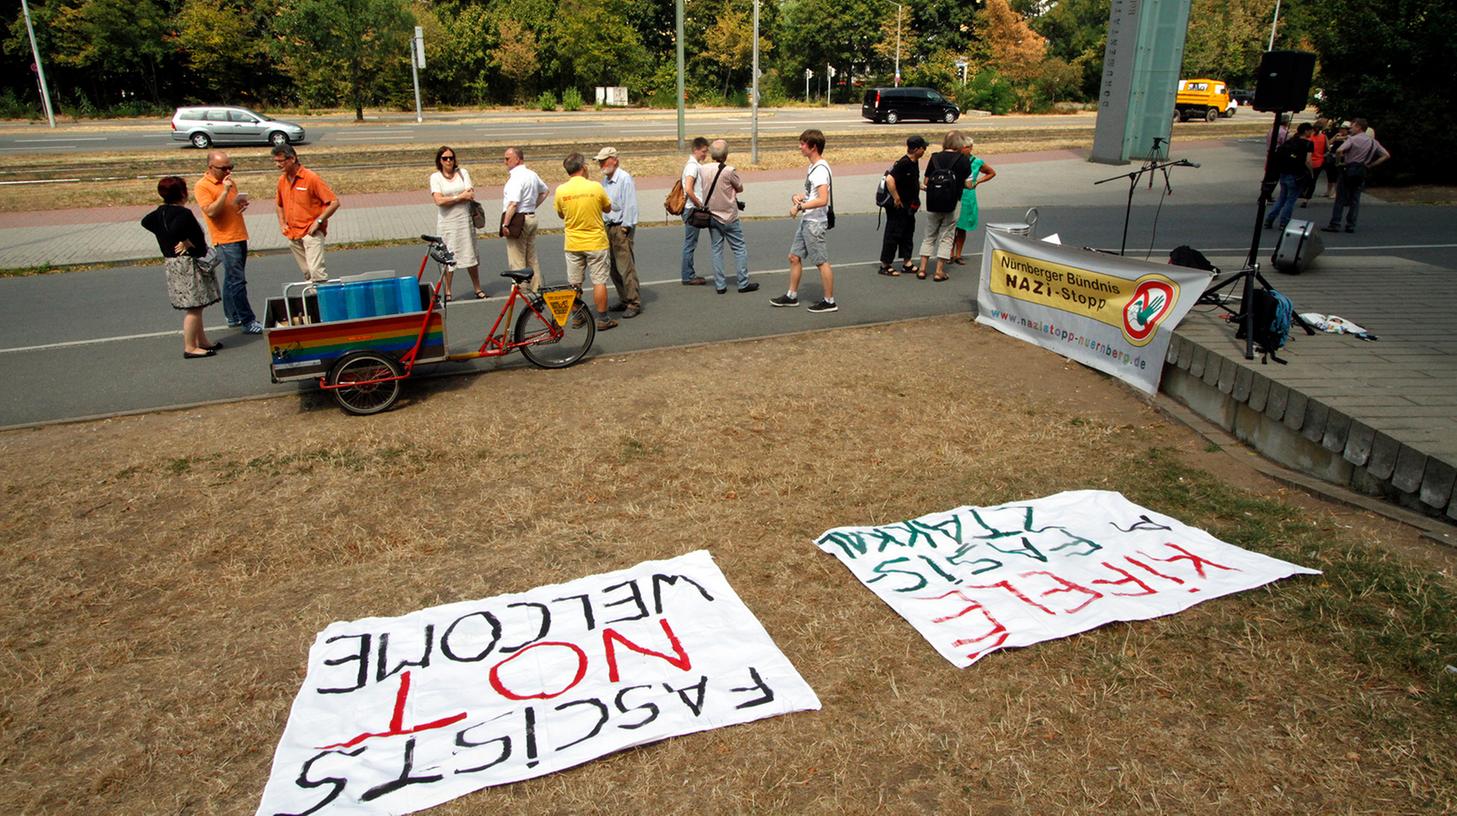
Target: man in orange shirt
[[304, 204], [222, 208]]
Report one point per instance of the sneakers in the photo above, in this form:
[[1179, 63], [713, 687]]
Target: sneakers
[[751, 286], [784, 300], [253, 328], [824, 306]]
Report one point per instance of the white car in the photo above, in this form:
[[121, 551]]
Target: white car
[[206, 126]]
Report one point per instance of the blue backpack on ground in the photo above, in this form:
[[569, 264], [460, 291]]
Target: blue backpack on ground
[[1273, 315]]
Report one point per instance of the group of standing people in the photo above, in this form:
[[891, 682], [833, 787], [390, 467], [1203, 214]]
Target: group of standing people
[[303, 202], [600, 220], [1344, 154], [951, 178]]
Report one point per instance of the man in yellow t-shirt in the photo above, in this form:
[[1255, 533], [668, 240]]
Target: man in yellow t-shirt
[[581, 202]]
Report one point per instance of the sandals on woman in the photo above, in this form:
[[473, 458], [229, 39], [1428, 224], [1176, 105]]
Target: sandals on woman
[[890, 271], [480, 295], [941, 277]]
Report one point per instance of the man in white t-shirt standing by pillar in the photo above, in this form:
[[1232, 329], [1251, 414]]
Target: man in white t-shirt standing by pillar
[[692, 198], [523, 192], [812, 207]]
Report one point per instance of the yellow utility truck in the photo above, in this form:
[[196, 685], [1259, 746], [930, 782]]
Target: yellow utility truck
[[1206, 99]]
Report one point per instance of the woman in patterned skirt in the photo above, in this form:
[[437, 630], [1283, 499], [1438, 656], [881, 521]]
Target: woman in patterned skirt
[[192, 281]]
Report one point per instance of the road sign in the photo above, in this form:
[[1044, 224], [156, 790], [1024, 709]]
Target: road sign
[[808, 73]]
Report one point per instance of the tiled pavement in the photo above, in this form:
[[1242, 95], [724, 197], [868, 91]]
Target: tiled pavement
[[1385, 411]]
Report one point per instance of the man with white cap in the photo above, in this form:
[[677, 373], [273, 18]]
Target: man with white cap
[[621, 222]]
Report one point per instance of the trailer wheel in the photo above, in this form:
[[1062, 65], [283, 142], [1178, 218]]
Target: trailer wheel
[[356, 392]]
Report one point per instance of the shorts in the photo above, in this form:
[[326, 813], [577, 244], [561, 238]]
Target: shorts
[[809, 242], [597, 261]]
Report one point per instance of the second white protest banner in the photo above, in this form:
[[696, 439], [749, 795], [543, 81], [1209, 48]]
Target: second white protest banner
[[974, 580], [399, 714]]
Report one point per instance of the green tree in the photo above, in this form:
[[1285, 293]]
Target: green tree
[[224, 41], [842, 33], [1386, 61], [120, 43], [1226, 38], [515, 56], [594, 44], [1077, 32], [350, 45]]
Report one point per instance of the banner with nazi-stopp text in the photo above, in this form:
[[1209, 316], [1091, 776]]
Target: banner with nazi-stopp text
[[400, 714], [977, 579], [1105, 311]]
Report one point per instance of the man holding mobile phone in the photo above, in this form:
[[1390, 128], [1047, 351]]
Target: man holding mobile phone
[[222, 208]]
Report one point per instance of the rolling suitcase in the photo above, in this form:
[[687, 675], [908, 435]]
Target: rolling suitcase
[[1297, 247]]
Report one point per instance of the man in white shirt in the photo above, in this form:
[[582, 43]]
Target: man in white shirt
[[812, 207], [522, 195], [692, 199], [621, 223]]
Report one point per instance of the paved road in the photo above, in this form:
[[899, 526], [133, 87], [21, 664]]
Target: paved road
[[523, 126], [88, 343]]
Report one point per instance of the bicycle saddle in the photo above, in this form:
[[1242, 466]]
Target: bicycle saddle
[[518, 275]]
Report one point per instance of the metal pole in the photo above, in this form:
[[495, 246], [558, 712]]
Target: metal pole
[[1273, 23], [897, 45], [45, 92], [682, 125], [415, 76], [754, 94]]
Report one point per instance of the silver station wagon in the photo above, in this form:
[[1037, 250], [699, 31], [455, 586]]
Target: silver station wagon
[[206, 126]]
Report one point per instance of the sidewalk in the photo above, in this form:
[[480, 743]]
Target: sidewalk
[[1376, 416]]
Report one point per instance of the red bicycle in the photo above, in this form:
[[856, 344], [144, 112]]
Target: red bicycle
[[362, 361]]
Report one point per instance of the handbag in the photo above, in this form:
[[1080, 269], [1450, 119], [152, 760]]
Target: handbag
[[701, 218], [830, 208], [477, 214], [514, 227]]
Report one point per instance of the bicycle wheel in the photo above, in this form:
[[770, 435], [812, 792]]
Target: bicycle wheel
[[541, 350], [366, 397]]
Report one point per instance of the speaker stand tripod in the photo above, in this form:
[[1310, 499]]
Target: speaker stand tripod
[[1250, 274]]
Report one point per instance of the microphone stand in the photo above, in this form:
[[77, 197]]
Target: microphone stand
[[1151, 166]]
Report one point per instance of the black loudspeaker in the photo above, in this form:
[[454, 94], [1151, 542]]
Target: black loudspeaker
[[1283, 82]]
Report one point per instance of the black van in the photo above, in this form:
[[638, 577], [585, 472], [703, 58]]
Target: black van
[[895, 104]]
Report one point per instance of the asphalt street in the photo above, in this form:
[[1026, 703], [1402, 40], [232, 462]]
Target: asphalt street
[[90, 343], [523, 126]]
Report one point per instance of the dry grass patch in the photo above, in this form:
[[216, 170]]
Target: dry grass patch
[[168, 573]]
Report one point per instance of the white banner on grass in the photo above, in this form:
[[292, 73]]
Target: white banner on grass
[[1107, 312], [400, 714], [977, 579]]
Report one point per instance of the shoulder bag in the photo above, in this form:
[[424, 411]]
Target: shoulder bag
[[701, 218]]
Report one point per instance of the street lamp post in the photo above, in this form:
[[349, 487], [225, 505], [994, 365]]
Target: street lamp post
[[682, 126], [40, 71], [754, 94], [897, 45]]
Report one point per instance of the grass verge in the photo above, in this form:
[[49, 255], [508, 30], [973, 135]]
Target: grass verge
[[168, 571]]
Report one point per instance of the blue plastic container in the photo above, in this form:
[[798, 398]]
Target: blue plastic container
[[331, 302], [358, 302], [408, 290], [386, 297]]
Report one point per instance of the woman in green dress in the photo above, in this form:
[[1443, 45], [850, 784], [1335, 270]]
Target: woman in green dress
[[981, 172]]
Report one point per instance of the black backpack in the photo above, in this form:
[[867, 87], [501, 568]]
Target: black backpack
[[942, 191], [883, 198]]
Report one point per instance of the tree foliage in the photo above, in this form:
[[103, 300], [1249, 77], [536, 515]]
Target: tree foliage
[[346, 47], [1383, 60]]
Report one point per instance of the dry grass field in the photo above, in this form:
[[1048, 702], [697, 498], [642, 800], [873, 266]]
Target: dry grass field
[[166, 574]]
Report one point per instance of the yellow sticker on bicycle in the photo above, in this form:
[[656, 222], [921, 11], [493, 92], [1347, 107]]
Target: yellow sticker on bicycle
[[560, 302]]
